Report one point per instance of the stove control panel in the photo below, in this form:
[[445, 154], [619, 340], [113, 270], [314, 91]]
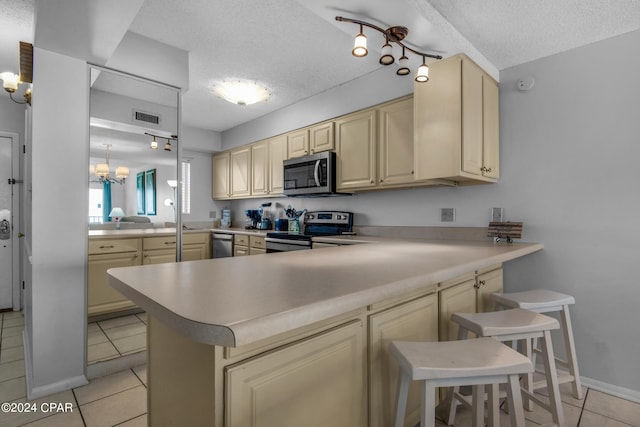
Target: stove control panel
[[329, 218]]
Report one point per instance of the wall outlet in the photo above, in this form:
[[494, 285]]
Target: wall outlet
[[447, 214], [212, 214], [497, 214]]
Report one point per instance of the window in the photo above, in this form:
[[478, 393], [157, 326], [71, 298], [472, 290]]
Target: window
[[185, 195], [95, 205]]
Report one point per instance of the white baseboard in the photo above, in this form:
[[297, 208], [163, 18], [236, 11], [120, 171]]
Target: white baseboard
[[45, 390], [614, 390]]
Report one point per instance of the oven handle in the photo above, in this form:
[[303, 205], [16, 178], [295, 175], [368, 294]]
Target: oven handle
[[316, 171], [288, 241]]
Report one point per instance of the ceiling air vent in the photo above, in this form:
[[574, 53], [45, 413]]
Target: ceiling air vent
[[142, 116]]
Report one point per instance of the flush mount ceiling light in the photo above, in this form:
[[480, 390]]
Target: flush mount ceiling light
[[392, 35], [241, 92]]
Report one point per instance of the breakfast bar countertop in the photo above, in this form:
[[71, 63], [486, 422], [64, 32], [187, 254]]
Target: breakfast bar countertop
[[241, 300]]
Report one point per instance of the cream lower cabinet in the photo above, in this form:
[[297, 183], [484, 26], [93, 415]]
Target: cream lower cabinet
[[103, 255], [158, 250], [196, 246], [468, 294], [416, 320], [318, 381]]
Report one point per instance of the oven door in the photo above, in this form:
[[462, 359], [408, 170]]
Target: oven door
[[274, 245]]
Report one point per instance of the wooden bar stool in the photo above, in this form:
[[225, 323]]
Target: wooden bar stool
[[454, 363], [546, 301], [514, 325]]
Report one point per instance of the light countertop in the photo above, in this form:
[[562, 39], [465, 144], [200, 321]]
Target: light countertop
[[240, 300], [140, 232]]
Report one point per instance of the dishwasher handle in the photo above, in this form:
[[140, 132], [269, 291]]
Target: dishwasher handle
[[221, 236]]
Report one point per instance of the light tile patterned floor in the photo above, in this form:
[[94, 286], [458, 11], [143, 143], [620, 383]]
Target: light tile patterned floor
[[116, 337], [120, 399]]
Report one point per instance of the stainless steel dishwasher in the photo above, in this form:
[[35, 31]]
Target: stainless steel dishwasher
[[222, 245]]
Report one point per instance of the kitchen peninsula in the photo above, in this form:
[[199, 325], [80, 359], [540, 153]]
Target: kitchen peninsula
[[300, 338]]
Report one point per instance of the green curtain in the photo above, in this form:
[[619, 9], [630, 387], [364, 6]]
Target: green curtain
[[106, 201]]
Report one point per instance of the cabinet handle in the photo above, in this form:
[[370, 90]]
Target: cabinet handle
[[382, 180], [312, 151], [482, 282], [107, 247], [169, 243], [412, 172], [476, 285], [372, 182], [485, 169]]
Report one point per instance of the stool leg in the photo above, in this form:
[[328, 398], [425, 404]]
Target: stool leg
[[428, 415], [463, 334], [527, 350], [571, 352], [514, 397], [552, 380], [401, 401], [477, 407], [493, 392]]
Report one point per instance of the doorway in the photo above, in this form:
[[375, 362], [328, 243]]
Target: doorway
[[9, 223]]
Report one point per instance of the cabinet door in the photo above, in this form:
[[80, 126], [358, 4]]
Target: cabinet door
[[413, 321], [102, 298], [240, 164], [260, 168], [437, 120], [220, 184], [396, 143], [257, 251], [321, 138], [319, 381], [159, 256], [487, 284], [459, 298], [240, 250], [298, 143], [356, 149], [491, 124], [277, 155], [472, 120], [194, 252]]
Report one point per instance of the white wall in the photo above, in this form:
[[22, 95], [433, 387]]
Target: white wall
[[56, 324], [201, 201], [568, 151]]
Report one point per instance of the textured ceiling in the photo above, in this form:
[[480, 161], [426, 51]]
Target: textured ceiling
[[297, 49], [512, 32]]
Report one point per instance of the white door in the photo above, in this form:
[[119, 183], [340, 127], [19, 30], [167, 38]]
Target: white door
[[6, 232]]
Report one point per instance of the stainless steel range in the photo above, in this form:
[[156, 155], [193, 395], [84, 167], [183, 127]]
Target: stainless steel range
[[319, 223]]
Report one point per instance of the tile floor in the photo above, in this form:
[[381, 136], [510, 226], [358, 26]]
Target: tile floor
[[120, 399], [116, 337]]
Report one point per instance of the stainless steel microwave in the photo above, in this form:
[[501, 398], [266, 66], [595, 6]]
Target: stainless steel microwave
[[313, 175]]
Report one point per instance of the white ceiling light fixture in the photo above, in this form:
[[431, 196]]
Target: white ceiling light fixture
[[154, 143], [395, 35], [102, 170], [241, 92]]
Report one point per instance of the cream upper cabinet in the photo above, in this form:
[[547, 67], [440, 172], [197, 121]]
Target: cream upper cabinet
[[456, 123], [240, 165], [356, 151], [260, 168], [298, 143], [277, 156], [395, 131], [321, 137], [220, 185]]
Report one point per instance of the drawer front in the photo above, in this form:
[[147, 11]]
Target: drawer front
[[195, 239], [241, 239], [166, 242], [240, 250], [110, 246], [257, 242]]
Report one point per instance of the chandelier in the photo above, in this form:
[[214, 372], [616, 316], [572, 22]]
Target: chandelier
[[395, 35], [101, 170]]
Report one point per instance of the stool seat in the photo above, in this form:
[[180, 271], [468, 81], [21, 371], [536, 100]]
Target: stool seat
[[540, 300], [458, 359], [478, 362], [514, 321]]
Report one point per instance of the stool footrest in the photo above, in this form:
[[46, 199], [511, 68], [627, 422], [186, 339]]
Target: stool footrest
[[562, 379]]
